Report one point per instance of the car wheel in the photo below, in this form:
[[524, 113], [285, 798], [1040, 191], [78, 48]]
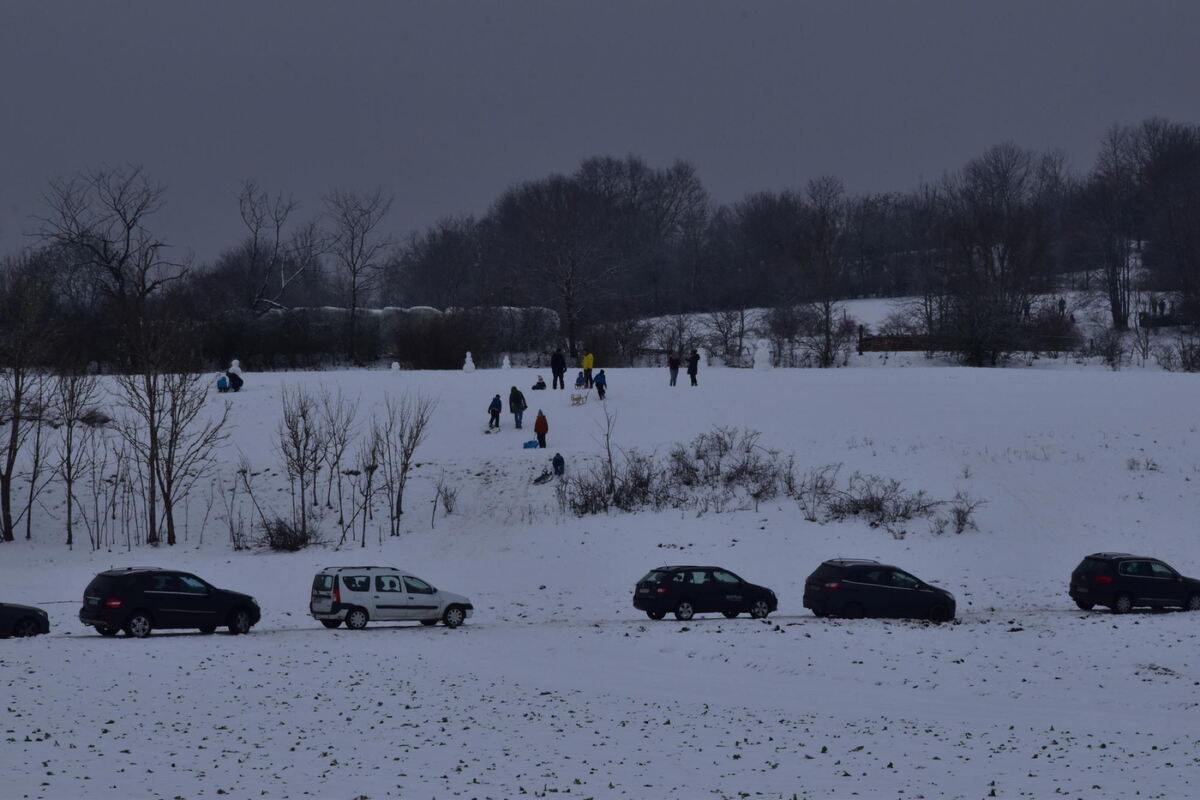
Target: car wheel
[[239, 622], [429, 623], [138, 625], [760, 609], [453, 616], [853, 611], [939, 613], [1085, 605], [730, 614], [356, 620], [656, 614], [104, 630], [685, 610], [1123, 604], [1193, 603], [820, 612], [207, 629], [331, 623], [26, 626]]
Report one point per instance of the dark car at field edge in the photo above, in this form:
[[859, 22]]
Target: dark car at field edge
[[689, 590], [138, 600], [855, 588], [1123, 581], [18, 620]]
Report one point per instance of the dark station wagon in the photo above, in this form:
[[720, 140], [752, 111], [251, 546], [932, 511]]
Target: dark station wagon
[[138, 600], [689, 590], [1122, 582]]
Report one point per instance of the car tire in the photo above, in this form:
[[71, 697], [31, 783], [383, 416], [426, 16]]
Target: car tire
[[760, 609], [1193, 603], [356, 619], [104, 630], [139, 625], [331, 623], [208, 629], [731, 614], [939, 613], [684, 610], [429, 623], [656, 615], [820, 612], [26, 626], [853, 611], [454, 616], [1084, 605], [1122, 604], [239, 622]]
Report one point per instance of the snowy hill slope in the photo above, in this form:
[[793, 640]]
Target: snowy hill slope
[[558, 685]]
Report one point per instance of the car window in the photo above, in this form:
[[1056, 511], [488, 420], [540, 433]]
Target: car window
[[162, 583], [725, 577], [1128, 568], [1162, 570], [417, 586], [681, 577], [357, 583], [878, 577], [656, 576], [904, 580], [701, 576], [388, 583], [322, 583], [192, 585]]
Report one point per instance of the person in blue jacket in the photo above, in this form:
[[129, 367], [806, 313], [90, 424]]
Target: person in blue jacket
[[494, 411], [601, 383]]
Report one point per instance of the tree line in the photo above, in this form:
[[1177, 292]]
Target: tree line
[[615, 240]]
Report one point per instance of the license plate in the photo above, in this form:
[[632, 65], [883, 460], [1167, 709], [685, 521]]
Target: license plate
[[1081, 590], [643, 591]]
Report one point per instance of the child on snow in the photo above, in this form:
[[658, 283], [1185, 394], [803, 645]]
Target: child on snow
[[494, 411]]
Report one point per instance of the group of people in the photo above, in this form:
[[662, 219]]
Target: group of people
[[517, 407], [231, 381], [693, 366]]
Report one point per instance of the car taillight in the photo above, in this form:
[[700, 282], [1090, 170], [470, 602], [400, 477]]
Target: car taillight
[[833, 586], [112, 602], [1104, 579], [337, 595], [661, 590]]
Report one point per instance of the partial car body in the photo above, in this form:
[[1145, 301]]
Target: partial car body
[[18, 620]]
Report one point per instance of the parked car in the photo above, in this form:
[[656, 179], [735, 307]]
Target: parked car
[[18, 620], [689, 590], [1122, 582], [138, 600], [854, 588], [356, 595]]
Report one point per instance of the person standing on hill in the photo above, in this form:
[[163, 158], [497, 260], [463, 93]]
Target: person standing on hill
[[494, 410], [673, 367], [558, 367], [601, 384], [693, 366], [588, 362], [541, 426], [516, 404]]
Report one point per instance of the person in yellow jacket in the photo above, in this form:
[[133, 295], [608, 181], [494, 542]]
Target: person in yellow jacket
[[588, 362]]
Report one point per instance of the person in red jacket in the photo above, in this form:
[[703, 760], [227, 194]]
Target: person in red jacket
[[541, 427]]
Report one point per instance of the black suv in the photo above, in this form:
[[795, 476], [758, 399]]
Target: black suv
[[1122, 582], [854, 588], [139, 599], [688, 591]]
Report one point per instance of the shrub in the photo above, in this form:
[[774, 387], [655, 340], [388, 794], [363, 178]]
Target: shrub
[[280, 535]]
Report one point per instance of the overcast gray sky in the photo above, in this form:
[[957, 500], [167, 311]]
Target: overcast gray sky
[[446, 104]]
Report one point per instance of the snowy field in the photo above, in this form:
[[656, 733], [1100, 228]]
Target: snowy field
[[558, 687]]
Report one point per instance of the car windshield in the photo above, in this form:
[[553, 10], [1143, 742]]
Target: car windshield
[[322, 583], [656, 576], [1093, 566]]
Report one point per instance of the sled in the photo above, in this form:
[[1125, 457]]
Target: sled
[[579, 398], [545, 477], [530, 445], [491, 430]]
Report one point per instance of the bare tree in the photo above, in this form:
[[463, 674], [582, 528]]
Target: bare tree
[[100, 219], [188, 440], [337, 422], [403, 428], [74, 396], [39, 411], [358, 249], [824, 260], [274, 259], [302, 447], [727, 331]]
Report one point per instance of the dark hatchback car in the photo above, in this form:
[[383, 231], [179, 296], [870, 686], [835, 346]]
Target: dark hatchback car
[[687, 591], [1122, 582], [18, 620], [855, 588], [138, 600]]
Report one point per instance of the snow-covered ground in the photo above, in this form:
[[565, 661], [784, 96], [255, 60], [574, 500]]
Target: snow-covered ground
[[558, 686]]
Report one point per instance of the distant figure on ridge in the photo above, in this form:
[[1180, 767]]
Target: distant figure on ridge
[[693, 366]]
